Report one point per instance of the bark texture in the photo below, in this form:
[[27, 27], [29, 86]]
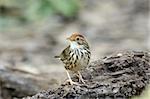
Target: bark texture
[[119, 76], [18, 83]]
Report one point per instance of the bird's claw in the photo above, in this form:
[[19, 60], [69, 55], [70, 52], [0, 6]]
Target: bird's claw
[[72, 82]]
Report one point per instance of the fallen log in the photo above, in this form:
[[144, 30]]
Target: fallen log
[[16, 83], [119, 76]]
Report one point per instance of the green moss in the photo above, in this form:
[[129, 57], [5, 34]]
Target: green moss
[[42, 8]]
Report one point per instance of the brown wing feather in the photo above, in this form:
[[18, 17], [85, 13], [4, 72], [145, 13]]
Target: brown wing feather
[[65, 53]]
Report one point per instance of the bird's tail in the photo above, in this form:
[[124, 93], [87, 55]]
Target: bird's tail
[[56, 56]]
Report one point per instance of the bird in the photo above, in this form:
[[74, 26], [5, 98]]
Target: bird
[[75, 56]]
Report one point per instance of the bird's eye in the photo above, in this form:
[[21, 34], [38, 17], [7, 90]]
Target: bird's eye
[[77, 39]]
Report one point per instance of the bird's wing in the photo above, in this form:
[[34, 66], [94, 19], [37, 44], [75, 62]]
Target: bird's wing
[[65, 53]]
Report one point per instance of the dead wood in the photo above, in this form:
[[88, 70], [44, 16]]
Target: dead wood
[[118, 76], [18, 83]]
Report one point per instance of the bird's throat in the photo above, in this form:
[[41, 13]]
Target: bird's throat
[[74, 45]]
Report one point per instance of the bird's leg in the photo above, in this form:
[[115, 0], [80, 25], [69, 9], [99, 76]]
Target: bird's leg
[[70, 80], [80, 77]]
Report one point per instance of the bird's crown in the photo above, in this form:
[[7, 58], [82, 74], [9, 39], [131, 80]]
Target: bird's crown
[[74, 36]]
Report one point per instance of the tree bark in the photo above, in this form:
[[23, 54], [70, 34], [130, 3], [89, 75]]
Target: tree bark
[[18, 83], [119, 76]]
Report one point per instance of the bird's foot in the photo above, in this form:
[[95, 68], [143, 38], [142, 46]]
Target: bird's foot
[[72, 82], [80, 78]]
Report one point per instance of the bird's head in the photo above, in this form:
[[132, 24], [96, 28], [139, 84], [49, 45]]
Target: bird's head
[[77, 40]]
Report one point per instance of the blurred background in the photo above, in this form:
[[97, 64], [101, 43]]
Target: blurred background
[[32, 32]]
